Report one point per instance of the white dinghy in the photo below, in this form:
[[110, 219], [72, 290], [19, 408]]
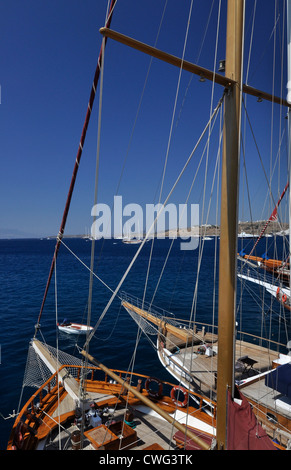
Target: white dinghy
[[74, 328]]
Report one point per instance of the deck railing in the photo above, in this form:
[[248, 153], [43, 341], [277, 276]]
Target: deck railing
[[40, 402], [206, 327]]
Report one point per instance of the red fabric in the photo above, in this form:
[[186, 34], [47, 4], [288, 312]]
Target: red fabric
[[274, 215], [243, 430], [189, 444]]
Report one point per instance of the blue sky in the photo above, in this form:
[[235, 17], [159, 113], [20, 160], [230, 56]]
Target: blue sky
[[48, 56]]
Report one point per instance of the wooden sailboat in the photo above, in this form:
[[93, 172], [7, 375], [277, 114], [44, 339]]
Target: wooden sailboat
[[132, 239], [87, 405], [189, 352], [279, 285], [279, 268]]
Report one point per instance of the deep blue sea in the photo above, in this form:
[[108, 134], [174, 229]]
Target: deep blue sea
[[24, 268]]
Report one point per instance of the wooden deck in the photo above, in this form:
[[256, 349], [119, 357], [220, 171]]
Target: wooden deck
[[150, 421], [203, 367], [150, 431], [252, 362]]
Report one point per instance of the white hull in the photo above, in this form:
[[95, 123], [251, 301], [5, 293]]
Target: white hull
[[182, 377], [272, 289], [75, 328], [246, 235]]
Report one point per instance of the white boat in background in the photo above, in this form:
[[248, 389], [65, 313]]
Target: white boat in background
[[74, 328], [132, 241], [132, 238], [246, 235]]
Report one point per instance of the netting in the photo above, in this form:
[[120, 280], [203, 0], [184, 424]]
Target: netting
[[144, 325], [37, 373]]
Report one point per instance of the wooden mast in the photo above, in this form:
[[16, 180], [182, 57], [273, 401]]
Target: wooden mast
[[229, 216]]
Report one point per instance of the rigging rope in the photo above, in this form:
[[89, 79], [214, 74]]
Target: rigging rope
[[76, 166], [138, 109], [91, 278], [158, 215], [139, 332], [57, 348], [272, 165], [170, 136], [194, 300], [251, 41], [197, 58], [88, 267], [188, 196], [260, 157]]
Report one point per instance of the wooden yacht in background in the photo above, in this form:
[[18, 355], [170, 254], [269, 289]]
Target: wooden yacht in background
[[189, 352]]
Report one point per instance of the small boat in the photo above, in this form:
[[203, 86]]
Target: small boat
[[246, 235], [132, 241], [74, 328]]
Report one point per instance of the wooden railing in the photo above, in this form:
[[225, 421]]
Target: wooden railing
[[208, 327], [41, 403]]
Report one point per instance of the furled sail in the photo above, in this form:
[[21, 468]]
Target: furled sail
[[282, 294], [243, 430]]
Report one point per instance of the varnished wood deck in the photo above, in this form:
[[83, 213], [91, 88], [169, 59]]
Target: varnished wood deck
[[204, 368], [55, 411], [250, 378]]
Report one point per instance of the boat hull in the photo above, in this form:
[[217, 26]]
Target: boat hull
[[75, 329]]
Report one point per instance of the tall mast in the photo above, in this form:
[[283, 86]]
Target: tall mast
[[229, 216]]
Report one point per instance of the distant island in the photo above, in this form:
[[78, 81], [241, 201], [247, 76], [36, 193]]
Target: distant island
[[208, 230], [244, 228], [249, 228]]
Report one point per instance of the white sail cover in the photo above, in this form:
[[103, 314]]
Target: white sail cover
[[271, 288]]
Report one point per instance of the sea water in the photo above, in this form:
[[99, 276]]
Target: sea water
[[24, 269]]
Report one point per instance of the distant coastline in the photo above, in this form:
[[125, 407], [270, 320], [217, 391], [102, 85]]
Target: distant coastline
[[248, 228]]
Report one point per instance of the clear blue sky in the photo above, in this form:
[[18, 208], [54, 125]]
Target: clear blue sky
[[48, 56]]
